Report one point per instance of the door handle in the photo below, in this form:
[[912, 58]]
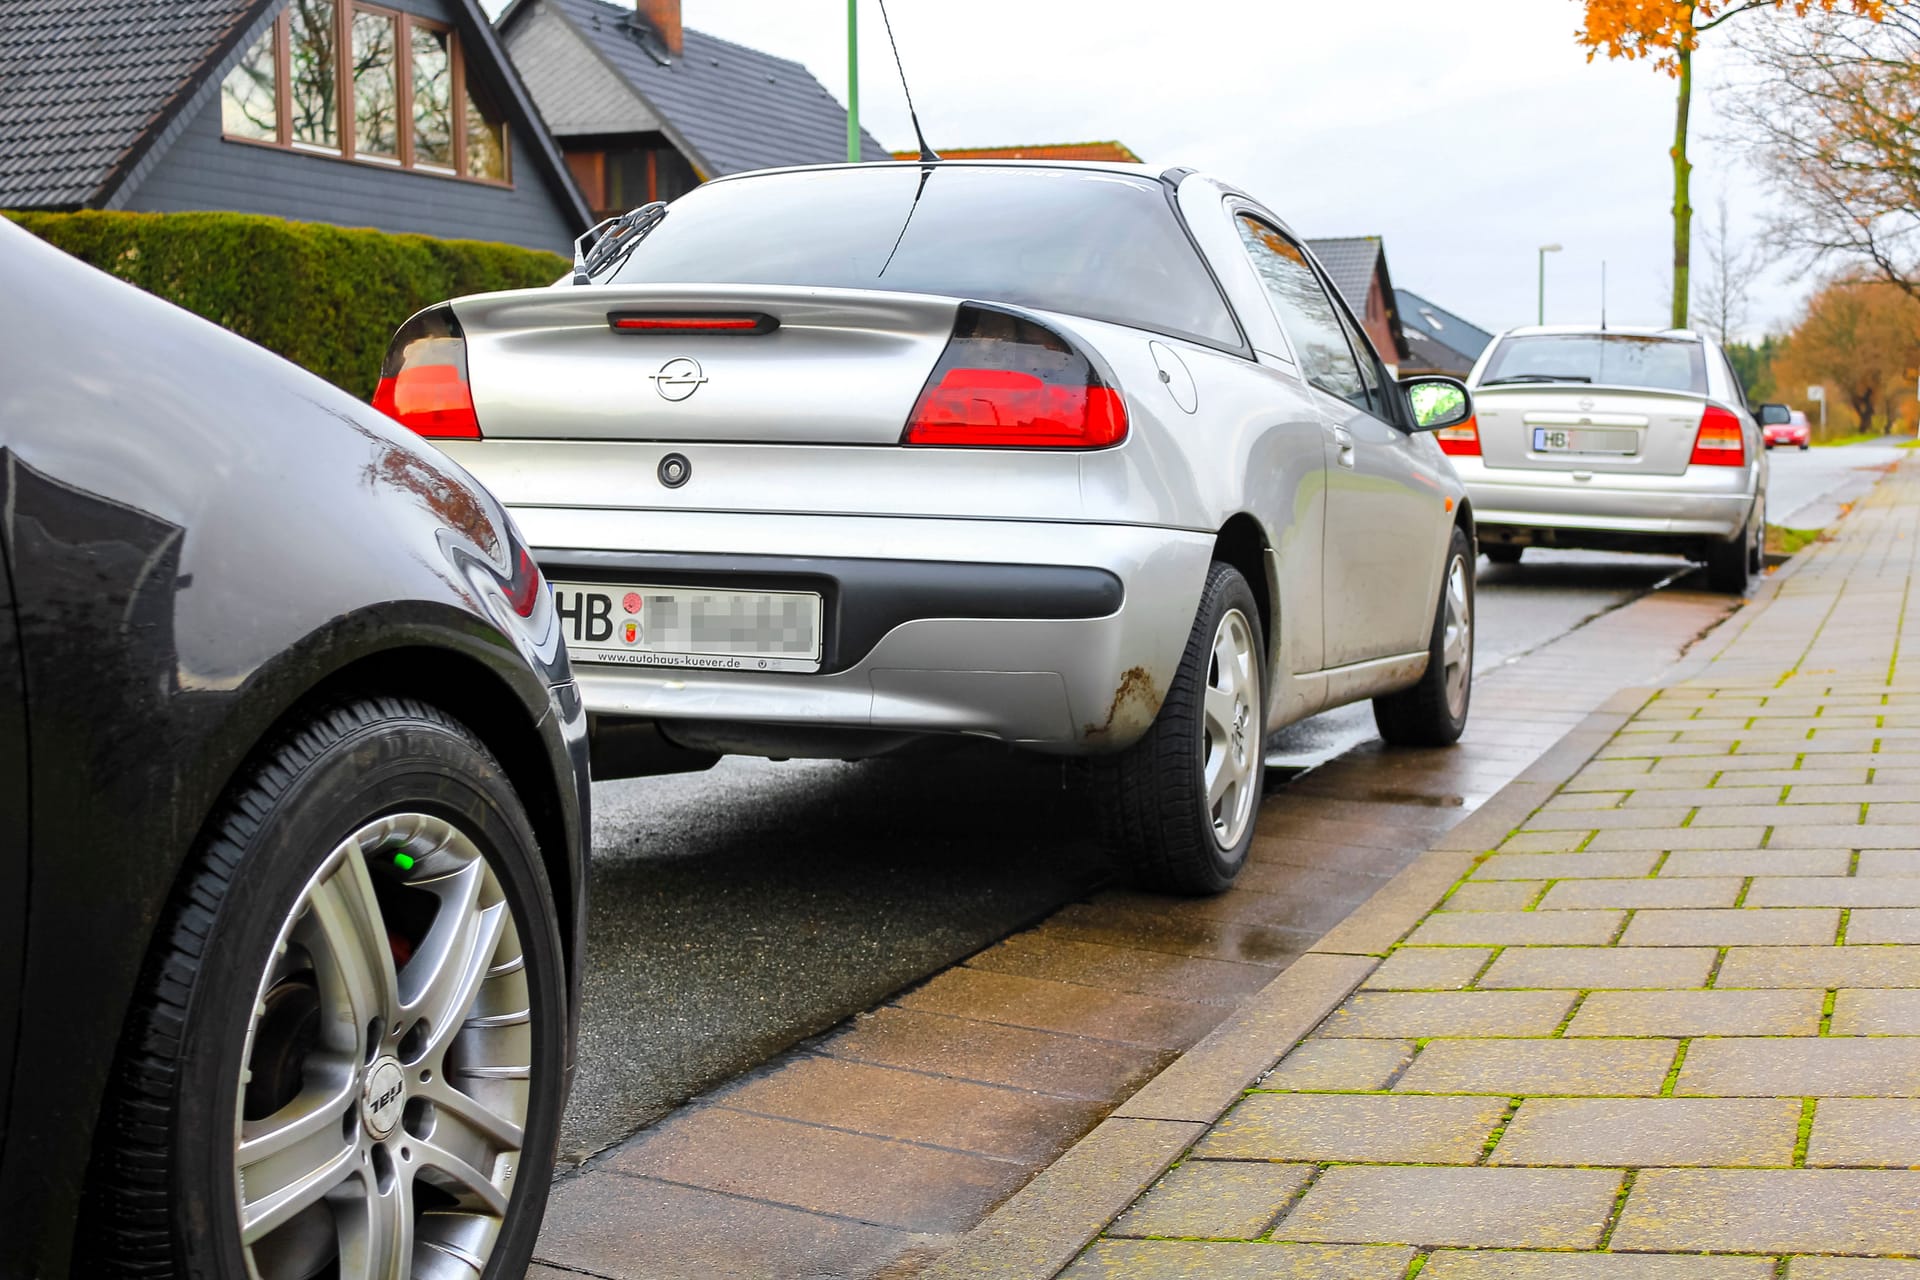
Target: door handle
[[1344, 438]]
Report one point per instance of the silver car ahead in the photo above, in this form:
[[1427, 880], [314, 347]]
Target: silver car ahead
[[1085, 459], [1617, 439]]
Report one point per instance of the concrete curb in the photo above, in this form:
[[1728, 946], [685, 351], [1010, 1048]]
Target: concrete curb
[[1046, 1224]]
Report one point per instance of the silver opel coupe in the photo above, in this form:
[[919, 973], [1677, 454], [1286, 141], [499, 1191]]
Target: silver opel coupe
[[1083, 459], [1614, 439]]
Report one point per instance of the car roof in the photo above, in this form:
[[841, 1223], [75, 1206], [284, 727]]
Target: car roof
[[1147, 171]]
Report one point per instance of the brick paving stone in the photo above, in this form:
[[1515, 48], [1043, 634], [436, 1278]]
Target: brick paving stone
[[1642, 892], [1105, 921], [1545, 841], [1757, 862], [1494, 895], [1067, 1066], [1214, 1199], [1876, 1013], [1883, 924], [1824, 1066], [1340, 1065], [1806, 1268], [1472, 1207], [1824, 967], [1600, 968], [1669, 838], [1607, 819], [1517, 928], [1888, 862], [1787, 926], [1791, 835], [1732, 794], [1772, 1211], [1039, 954], [1511, 1067], [1865, 1133], [1865, 793], [1566, 866], [1832, 891], [1488, 1264], [1771, 814], [1072, 1008], [1380, 1127], [1227, 1260], [1418, 1014], [1428, 969], [1698, 1013], [992, 1120], [1645, 1132]]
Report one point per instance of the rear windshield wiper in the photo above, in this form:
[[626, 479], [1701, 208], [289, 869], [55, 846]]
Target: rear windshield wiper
[[1536, 377], [608, 244]]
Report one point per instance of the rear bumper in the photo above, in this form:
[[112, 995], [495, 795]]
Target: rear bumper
[[1059, 637], [1701, 505]]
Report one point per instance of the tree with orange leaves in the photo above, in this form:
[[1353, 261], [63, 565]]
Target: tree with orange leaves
[[1667, 32]]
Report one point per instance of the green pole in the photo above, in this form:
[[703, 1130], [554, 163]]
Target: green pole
[[853, 81]]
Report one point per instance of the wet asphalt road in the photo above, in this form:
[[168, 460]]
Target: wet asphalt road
[[738, 911]]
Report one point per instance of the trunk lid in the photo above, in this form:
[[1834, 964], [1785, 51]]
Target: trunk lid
[[838, 366], [1616, 430]]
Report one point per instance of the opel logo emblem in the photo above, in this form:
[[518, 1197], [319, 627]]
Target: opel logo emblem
[[678, 378], [1586, 402]]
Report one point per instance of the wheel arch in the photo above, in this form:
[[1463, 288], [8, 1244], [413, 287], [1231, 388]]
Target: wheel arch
[[1243, 543]]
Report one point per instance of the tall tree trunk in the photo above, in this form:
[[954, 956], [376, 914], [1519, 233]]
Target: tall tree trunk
[[1682, 210]]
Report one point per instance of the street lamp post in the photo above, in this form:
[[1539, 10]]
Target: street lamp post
[[1545, 249]]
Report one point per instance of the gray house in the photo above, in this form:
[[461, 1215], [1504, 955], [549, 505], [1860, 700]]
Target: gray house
[[646, 109], [402, 115]]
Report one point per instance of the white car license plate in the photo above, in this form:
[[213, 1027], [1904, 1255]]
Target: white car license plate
[[1583, 440], [690, 626]]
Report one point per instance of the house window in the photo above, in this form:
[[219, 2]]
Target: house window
[[407, 103]]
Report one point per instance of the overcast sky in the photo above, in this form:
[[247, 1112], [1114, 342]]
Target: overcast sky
[[1466, 133]]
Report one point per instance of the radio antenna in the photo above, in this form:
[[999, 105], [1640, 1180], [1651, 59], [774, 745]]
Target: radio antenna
[[1603, 295], [927, 153]]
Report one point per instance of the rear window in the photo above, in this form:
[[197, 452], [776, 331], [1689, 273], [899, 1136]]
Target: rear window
[[1603, 359], [1104, 246]]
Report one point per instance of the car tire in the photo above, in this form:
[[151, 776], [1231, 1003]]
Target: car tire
[[1805, 447], [1168, 827], [1433, 713], [1500, 553], [378, 836], [1730, 564]]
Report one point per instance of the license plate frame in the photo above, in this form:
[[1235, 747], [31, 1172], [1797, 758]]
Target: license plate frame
[[1611, 442], [662, 637]]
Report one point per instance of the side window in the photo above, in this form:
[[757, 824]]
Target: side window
[[1305, 311], [1369, 367]]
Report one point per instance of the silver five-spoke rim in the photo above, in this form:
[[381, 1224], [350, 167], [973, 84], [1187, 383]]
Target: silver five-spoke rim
[[388, 1065], [1456, 638], [1231, 741]]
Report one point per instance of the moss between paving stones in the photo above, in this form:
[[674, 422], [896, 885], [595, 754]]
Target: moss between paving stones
[[327, 298]]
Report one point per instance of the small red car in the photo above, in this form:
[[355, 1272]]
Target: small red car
[[1781, 425]]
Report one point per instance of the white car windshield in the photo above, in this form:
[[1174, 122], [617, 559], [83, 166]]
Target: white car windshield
[[1603, 359]]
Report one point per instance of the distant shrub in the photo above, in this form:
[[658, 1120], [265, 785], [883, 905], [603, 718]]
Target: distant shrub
[[327, 298]]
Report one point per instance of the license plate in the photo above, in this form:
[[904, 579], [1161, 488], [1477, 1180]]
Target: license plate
[[690, 626], [1583, 440]]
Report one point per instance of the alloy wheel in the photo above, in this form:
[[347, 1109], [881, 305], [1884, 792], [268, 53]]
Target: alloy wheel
[[1233, 734], [381, 1110], [1456, 638]]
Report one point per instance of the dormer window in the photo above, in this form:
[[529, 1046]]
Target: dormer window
[[410, 105]]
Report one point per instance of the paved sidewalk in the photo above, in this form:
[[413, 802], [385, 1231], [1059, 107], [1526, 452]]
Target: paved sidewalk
[[1667, 1026]]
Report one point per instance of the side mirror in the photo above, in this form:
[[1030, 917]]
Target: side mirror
[[1773, 415], [1437, 403]]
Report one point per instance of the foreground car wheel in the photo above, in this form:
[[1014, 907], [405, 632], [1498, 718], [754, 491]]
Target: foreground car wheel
[[1731, 565], [1179, 804], [1434, 712], [347, 1061]]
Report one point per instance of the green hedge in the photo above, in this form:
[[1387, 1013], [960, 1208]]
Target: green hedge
[[325, 297]]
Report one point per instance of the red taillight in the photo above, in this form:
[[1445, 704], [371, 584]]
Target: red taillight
[[423, 384], [652, 322], [1006, 382], [1721, 443], [523, 590], [1462, 441]]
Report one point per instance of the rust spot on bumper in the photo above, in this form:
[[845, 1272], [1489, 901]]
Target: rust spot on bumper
[[1135, 703]]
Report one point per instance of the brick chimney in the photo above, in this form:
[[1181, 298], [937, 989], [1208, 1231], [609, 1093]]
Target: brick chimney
[[664, 17]]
